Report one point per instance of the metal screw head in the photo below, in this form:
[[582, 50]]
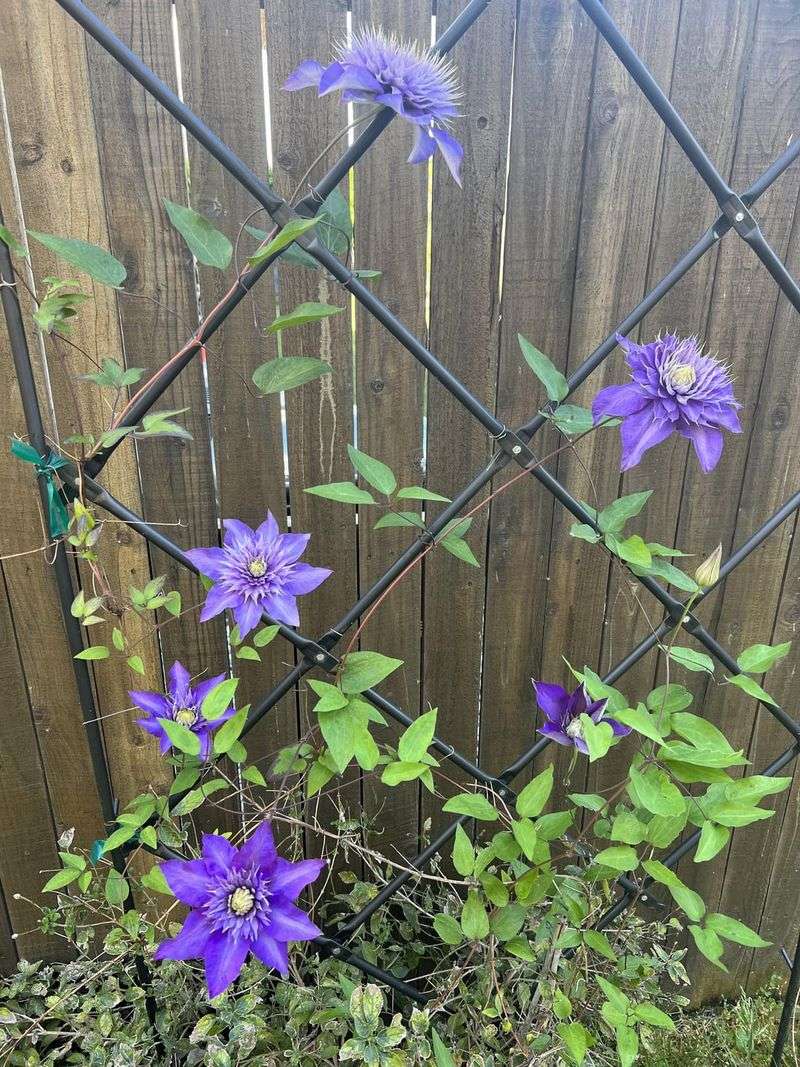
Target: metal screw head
[[320, 657], [336, 952], [739, 216], [516, 449]]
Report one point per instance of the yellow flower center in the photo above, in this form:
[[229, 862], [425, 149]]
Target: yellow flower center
[[186, 716], [683, 375], [241, 901], [257, 568]]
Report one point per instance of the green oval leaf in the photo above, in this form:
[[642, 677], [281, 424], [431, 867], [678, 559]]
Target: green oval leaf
[[344, 492], [363, 670], [89, 258], [303, 313], [373, 471], [473, 804], [288, 372], [206, 243], [552, 379]]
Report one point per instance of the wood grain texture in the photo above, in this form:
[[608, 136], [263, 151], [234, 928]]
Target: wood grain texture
[[223, 81], [43, 59], [464, 331], [390, 232]]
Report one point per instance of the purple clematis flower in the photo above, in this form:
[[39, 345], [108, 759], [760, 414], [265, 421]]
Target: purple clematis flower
[[416, 83], [182, 704], [242, 900], [256, 571], [675, 389], [563, 710]]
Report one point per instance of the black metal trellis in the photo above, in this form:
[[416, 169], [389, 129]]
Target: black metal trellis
[[513, 445]]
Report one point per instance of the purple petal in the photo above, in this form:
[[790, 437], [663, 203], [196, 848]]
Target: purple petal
[[552, 699], [329, 76], [248, 615], [424, 146], [202, 689], [236, 532], [188, 880], [218, 853], [218, 598], [179, 679], [290, 879], [304, 76], [577, 703], [288, 923], [208, 561], [620, 730], [350, 76], [292, 546], [225, 958], [392, 99], [259, 848], [728, 419], [303, 578], [271, 953], [268, 530], [151, 726], [618, 400], [595, 710], [640, 432], [190, 943], [282, 608], [553, 732], [451, 150], [707, 444], [153, 703]]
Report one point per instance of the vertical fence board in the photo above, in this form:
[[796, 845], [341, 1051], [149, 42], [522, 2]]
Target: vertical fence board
[[141, 163], [390, 232], [554, 47], [43, 60], [223, 81], [467, 232]]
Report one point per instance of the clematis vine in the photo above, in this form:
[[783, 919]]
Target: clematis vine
[[181, 704], [563, 710], [256, 571], [674, 389], [419, 85], [242, 901]]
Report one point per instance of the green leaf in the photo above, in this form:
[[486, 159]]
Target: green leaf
[[283, 373], [576, 1041], [344, 492], [534, 796], [417, 492], [612, 519], [507, 921], [713, 839], [474, 920], [592, 801], [254, 775], [331, 698], [626, 827], [526, 836], [363, 670], [473, 804], [148, 837], [117, 889], [733, 930], [653, 1016], [709, 945], [552, 379], [632, 550], [395, 773], [668, 698], [161, 424], [448, 929], [417, 737], [572, 420], [154, 879], [599, 943], [94, 652], [584, 532], [265, 635], [627, 1045], [219, 699], [553, 825], [562, 1009], [194, 799], [135, 663], [751, 687], [440, 1051], [673, 575], [91, 259], [377, 474], [399, 518], [230, 731], [691, 659], [459, 548], [598, 737], [618, 857], [181, 736], [641, 721], [60, 879], [245, 652], [759, 658], [521, 948], [303, 313], [599, 690], [290, 232], [463, 853], [8, 238], [685, 898], [206, 243], [653, 791]]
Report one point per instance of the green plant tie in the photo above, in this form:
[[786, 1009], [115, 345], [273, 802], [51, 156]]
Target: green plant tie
[[46, 467]]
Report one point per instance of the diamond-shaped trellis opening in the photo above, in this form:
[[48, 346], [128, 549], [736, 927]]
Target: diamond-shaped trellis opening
[[736, 215]]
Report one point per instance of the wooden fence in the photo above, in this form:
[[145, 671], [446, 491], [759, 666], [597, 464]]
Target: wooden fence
[[575, 203]]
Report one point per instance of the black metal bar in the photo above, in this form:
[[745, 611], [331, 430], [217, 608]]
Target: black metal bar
[[763, 249], [66, 592], [789, 1006]]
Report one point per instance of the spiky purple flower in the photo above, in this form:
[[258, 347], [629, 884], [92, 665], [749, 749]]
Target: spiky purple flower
[[675, 389], [242, 901], [563, 710], [256, 571], [419, 85], [181, 704]]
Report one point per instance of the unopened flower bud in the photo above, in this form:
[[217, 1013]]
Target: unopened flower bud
[[707, 574]]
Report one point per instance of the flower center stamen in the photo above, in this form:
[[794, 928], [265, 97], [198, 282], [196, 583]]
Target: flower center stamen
[[257, 567], [574, 729], [185, 716], [683, 376], [241, 901]]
